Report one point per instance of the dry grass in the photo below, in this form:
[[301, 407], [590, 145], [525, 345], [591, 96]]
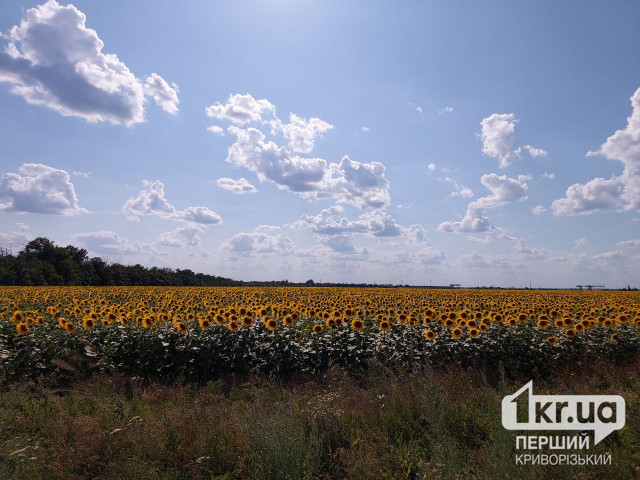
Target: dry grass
[[436, 424]]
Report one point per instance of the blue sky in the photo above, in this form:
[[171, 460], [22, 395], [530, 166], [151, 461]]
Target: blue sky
[[443, 142]]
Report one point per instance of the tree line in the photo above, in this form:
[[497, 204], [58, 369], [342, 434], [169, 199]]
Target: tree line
[[42, 262]]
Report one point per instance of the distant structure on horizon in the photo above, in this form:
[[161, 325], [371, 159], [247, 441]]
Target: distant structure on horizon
[[588, 287]]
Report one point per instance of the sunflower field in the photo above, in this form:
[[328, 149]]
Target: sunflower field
[[202, 333]]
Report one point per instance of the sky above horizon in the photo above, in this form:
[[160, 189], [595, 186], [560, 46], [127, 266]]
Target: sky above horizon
[[480, 143]]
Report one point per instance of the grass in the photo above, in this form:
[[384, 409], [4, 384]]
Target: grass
[[442, 424]]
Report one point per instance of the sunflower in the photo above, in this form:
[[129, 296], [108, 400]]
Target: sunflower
[[204, 323], [474, 332], [570, 333], [181, 327], [357, 325], [614, 336], [147, 322], [384, 325], [317, 328], [287, 321], [69, 327], [232, 326], [330, 322], [543, 323], [429, 335], [87, 323], [552, 340], [457, 332], [22, 328], [271, 324], [448, 323], [247, 321], [40, 321]]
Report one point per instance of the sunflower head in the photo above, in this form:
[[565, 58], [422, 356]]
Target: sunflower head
[[385, 325], [357, 324], [317, 328], [88, 323], [69, 327], [22, 328], [474, 332], [457, 332], [429, 335], [271, 324]]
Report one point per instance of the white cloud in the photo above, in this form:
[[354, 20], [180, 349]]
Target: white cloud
[[236, 186], [216, 129], [242, 109], [165, 95], [17, 238], [176, 237], [549, 176], [498, 134], [419, 109], [53, 59], [365, 129], [375, 224], [258, 243], [302, 133], [445, 110], [583, 199], [503, 190], [473, 221], [108, 242], [151, 201], [361, 184], [39, 188], [81, 174], [635, 243], [533, 151], [622, 191], [538, 210], [579, 243], [339, 243], [460, 190], [431, 168]]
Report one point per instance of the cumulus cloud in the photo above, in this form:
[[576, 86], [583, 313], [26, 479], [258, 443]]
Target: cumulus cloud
[[459, 190], [361, 184], [302, 133], [16, 238], [365, 129], [339, 243], [108, 242], [151, 201], [431, 168], [249, 243], [583, 199], [549, 176], [445, 110], [538, 210], [498, 134], [236, 186], [242, 109], [176, 238], [622, 191], [53, 59], [38, 188], [376, 224], [503, 190], [165, 95], [473, 222], [216, 129], [635, 243]]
